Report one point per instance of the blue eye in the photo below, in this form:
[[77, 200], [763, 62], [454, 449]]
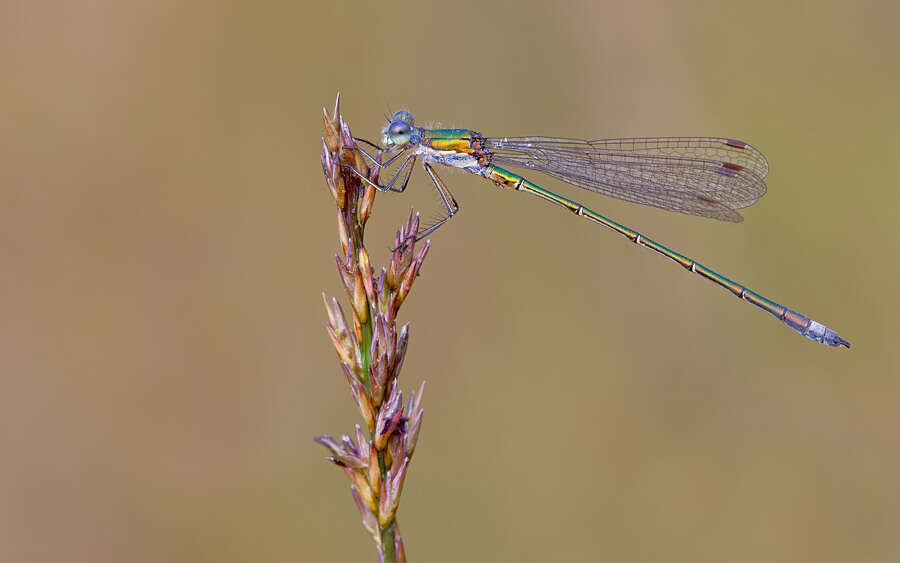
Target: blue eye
[[398, 133], [399, 128]]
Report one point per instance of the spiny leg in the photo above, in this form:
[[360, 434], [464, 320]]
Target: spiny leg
[[410, 160], [409, 170], [446, 198], [371, 158], [370, 143]]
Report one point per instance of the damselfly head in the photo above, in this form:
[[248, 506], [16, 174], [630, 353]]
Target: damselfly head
[[398, 131]]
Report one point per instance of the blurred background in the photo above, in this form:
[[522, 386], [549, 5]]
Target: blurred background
[[166, 234]]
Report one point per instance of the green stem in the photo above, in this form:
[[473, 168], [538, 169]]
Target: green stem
[[387, 543], [365, 345]]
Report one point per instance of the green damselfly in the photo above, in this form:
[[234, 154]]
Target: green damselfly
[[705, 176]]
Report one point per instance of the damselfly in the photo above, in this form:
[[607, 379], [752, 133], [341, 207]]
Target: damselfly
[[706, 176]]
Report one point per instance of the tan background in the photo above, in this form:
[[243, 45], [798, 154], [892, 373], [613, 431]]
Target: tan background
[[165, 234]]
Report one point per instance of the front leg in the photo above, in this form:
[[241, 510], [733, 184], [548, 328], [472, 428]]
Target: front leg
[[450, 205], [389, 186]]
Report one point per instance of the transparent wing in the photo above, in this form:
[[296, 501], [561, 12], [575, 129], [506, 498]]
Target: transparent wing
[[705, 176]]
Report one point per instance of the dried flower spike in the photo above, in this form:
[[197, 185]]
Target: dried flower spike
[[371, 352]]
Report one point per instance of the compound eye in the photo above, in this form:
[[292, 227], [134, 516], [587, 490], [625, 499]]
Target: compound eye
[[399, 128]]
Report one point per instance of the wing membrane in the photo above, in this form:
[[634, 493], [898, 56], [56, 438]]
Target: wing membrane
[[705, 176]]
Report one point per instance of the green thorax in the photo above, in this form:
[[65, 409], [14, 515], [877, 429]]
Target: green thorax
[[448, 134]]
